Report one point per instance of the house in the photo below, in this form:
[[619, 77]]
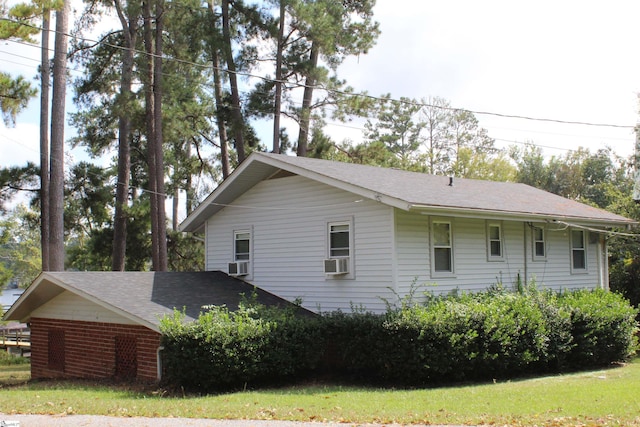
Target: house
[[337, 235], [333, 235], [107, 324]]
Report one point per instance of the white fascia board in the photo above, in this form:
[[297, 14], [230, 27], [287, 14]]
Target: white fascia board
[[523, 216], [54, 281], [197, 213], [30, 289]]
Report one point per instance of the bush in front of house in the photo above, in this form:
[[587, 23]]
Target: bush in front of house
[[496, 334], [455, 338], [603, 326], [226, 349]]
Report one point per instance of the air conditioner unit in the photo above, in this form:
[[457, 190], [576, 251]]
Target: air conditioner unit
[[336, 266], [239, 268]]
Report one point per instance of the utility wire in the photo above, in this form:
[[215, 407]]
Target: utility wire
[[335, 91]]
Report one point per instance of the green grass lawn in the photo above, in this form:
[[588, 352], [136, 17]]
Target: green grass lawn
[[595, 398], [14, 374]]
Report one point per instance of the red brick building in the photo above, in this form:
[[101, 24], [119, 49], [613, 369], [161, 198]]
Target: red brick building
[[107, 324]]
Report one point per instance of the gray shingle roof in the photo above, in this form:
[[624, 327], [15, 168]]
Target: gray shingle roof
[[424, 190], [143, 297], [406, 190]]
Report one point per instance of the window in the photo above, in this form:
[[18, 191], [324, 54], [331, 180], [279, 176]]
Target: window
[[578, 251], [242, 245], [339, 239], [441, 247], [339, 262], [538, 242], [494, 241]]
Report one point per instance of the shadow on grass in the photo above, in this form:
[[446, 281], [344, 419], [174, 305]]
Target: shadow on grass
[[19, 377]]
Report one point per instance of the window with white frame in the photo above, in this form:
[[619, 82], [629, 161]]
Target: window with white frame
[[441, 247], [495, 246], [339, 239], [538, 241], [578, 251], [242, 245]]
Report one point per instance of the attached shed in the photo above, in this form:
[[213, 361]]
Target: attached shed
[[107, 324]]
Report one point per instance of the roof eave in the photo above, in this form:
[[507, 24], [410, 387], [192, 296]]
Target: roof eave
[[485, 213], [14, 312], [214, 203]]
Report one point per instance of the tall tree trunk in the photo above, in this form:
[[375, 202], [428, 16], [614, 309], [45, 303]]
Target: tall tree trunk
[[237, 123], [305, 114], [277, 105], [130, 29], [45, 70], [151, 138], [56, 184], [159, 141], [222, 129]]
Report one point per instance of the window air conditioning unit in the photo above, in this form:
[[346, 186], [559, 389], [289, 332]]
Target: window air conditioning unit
[[238, 268], [336, 266]]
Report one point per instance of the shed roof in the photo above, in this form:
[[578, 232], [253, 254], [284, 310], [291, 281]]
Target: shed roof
[[406, 190], [143, 297]]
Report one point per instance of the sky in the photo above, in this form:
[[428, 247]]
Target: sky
[[561, 60]]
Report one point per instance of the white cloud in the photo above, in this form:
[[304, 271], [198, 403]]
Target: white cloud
[[19, 144], [568, 60]]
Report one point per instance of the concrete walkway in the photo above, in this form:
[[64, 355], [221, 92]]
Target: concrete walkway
[[104, 421]]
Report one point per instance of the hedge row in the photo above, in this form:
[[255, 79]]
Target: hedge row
[[468, 337], [225, 349]]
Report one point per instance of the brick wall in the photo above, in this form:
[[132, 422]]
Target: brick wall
[[90, 349]]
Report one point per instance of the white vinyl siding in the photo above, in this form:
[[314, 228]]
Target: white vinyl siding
[[473, 273], [290, 243], [390, 251], [69, 306]]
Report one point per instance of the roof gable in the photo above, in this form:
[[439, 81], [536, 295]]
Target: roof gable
[[405, 190], [142, 297]]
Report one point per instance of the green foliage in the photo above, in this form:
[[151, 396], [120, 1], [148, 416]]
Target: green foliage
[[455, 338], [16, 178], [15, 94], [603, 326], [427, 135], [92, 251], [225, 349], [497, 334], [186, 252], [20, 247], [7, 359]]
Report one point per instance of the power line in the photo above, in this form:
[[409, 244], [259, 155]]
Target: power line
[[339, 92]]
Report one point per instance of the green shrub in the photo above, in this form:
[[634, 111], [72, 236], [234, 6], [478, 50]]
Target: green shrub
[[225, 349], [445, 344], [497, 334], [361, 345], [483, 336], [9, 359], [603, 326]]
